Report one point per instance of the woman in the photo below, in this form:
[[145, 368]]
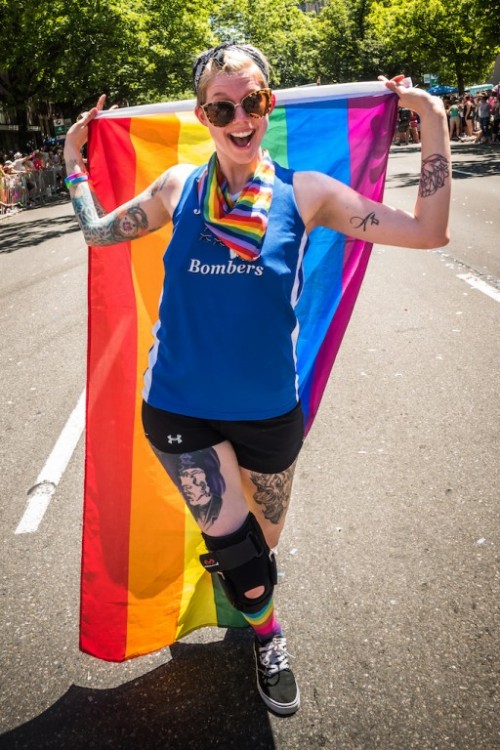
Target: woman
[[414, 126], [454, 120], [496, 121], [484, 115], [470, 113], [219, 383], [403, 127]]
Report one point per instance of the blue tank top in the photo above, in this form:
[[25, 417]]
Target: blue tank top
[[225, 342]]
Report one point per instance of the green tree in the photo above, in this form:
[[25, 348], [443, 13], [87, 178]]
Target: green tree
[[176, 31], [348, 48], [337, 49], [70, 51], [286, 35], [67, 51], [457, 39]]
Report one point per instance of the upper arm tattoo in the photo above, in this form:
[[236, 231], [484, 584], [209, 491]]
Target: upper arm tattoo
[[160, 183], [435, 171]]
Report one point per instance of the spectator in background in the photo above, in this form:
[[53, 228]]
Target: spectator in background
[[414, 126], [19, 162], [403, 128], [8, 167], [38, 161], [23, 165], [469, 114], [454, 120], [484, 114], [461, 111], [57, 157], [496, 122], [44, 154]]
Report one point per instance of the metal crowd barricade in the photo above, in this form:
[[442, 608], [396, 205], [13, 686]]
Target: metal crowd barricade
[[25, 189]]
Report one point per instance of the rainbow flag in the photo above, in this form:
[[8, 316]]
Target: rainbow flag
[[142, 584]]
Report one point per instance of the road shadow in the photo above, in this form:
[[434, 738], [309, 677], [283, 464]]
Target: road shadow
[[464, 169], [25, 229], [205, 698]]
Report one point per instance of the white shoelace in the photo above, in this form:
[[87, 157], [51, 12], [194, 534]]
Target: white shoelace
[[273, 656]]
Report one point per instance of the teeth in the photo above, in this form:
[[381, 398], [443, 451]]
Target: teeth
[[242, 135]]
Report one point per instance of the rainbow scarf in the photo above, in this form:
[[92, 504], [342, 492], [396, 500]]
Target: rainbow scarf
[[142, 583], [240, 225]]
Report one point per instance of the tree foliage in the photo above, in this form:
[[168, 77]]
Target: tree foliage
[[286, 35], [70, 51], [455, 39]]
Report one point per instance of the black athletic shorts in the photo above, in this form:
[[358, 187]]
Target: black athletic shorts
[[266, 446]]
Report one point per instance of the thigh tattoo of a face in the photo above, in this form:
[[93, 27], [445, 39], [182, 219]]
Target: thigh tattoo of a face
[[273, 492], [435, 171]]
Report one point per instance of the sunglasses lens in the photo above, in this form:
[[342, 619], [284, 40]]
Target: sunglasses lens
[[220, 113], [257, 103]]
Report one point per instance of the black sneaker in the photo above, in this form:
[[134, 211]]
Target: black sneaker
[[275, 680]]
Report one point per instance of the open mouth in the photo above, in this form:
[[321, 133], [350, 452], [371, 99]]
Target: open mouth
[[242, 140]]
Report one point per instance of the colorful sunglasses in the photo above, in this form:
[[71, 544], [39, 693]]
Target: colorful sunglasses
[[256, 105]]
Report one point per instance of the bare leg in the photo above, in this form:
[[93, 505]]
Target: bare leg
[[211, 485]]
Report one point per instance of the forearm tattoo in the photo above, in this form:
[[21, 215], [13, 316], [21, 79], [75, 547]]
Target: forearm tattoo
[[435, 171], [121, 225], [359, 221], [101, 211], [273, 493], [117, 226]]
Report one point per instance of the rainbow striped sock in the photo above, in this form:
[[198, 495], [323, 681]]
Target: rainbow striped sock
[[264, 622]]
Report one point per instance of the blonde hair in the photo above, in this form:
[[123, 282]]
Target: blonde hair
[[230, 60]]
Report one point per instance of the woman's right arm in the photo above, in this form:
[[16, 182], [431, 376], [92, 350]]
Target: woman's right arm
[[143, 214]]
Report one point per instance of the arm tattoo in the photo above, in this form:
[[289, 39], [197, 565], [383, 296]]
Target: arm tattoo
[[273, 492], [160, 183], [435, 170], [121, 225], [101, 211], [117, 226], [359, 221]]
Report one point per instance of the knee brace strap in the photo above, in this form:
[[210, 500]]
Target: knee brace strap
[[244, 561]]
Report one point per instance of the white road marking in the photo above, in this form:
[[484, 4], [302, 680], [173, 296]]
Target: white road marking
[[481, 285], [462, 171], [46, 483]]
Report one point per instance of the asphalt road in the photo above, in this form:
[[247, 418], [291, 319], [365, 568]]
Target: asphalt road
[[390, 559]]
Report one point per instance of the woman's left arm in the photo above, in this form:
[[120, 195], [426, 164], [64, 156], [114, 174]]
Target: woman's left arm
[[323, 201]]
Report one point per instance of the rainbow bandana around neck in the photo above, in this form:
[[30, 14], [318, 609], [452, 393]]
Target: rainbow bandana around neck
[[240, 224]]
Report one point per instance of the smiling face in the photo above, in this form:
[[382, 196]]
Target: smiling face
[[238, 143]]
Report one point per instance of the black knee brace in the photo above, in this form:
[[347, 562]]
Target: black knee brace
[[244, 561]]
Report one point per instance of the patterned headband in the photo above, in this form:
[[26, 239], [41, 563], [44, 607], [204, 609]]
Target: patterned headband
[[218, 54]]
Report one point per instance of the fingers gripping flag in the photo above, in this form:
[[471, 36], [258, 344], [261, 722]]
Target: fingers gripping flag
[[142, 584]]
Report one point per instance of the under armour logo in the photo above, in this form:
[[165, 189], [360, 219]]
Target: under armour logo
[[174, 439]]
